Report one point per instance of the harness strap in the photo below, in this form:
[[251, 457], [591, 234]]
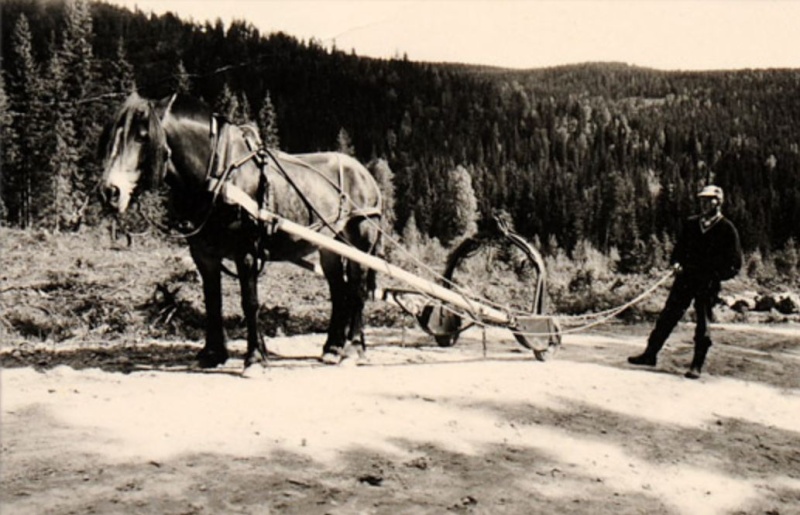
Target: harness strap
[[214, 135], [168, 108]]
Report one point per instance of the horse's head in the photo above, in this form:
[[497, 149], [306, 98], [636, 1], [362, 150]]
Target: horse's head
[[134, 152]]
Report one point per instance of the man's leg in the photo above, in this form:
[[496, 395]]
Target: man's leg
[[702, 339], [680, 296]]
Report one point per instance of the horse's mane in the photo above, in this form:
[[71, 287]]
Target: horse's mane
[[108, 136]]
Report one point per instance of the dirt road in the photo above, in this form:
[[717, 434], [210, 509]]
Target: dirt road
[[416, 429]]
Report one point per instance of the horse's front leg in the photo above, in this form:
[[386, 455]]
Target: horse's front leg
[[247, 268], [214, 352]]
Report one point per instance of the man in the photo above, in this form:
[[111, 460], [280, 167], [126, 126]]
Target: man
[[706, 253]]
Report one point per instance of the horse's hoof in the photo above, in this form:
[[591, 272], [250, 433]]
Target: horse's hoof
[[206, 359], [331, 358], [354, 354], [350, 354], [252, 372], [255, 360]]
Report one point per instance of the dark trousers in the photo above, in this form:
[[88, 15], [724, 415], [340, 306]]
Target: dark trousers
[[684, 291]]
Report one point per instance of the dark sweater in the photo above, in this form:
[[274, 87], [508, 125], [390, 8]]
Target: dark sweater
[[715, 255]]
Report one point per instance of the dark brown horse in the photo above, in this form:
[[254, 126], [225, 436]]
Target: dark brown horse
[[179, 141]]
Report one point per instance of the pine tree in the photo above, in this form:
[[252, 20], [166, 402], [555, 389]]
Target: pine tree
[[121, 75], [243, 113], [62, 145], [77, 49], [412, 237], [385, 178], [344, 144], [25, 93], [268, 123], [183, 83], [8, 150], [79, 84], [227, 105]]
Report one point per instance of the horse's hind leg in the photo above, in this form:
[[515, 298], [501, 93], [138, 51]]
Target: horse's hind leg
[[360, 280], [333, 268], [357, 293], [247, 268], [214, 352]]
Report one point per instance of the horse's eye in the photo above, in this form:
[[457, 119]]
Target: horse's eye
[[140, 135]]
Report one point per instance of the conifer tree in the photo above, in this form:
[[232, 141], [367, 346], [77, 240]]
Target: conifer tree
[[243, 113], [227, 105], [385, 178], [61, 188], [459, 207], [344, 144], [121, 75], [8, 150], [268, 123], [79, 84], [25, 92], [183, 83], [412, 237], [77, 45]]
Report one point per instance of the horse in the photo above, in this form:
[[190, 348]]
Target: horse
[[179, 142]]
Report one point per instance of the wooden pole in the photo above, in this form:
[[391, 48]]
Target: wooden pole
[[381, 266], [485, 313]]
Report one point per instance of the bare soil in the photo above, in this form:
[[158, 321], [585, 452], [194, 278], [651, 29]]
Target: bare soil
[[102, 411]]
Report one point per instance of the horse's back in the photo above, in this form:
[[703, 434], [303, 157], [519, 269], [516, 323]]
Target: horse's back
[[351, 176]]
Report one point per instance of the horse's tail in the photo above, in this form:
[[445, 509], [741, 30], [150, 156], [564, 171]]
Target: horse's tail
[[372, 275]]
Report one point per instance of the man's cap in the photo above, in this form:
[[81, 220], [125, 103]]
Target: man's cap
[[712, 191]]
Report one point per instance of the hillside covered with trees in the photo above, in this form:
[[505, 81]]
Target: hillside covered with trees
[[603, 154]]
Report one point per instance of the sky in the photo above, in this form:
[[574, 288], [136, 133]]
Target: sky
[[661, 34]]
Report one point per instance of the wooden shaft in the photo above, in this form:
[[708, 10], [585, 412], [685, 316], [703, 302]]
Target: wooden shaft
[[485, 313], [381, 266]]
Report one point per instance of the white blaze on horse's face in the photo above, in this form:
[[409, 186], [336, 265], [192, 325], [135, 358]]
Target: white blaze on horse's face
[[122, 170]]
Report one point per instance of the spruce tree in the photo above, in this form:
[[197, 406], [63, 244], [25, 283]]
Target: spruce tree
[[268, 123], [121, 74], [183, 83], [227, 105], [385, 178], [77, 49], [8, 150], [243, 113], [78, 108], [25, 93], [62, 187], [344, 144]]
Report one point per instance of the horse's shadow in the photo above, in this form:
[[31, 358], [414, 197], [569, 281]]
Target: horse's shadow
[[180, 358]]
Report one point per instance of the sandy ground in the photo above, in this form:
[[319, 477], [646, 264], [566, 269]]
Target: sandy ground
[[415, 429]]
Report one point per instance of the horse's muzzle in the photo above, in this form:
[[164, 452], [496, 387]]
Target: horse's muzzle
[[110, 196]]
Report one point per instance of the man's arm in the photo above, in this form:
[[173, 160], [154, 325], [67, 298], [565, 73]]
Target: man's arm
[[732, 254]]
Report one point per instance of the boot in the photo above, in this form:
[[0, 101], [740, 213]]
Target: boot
[[696, 368], [648, 357], [693, 373], [645, 358]]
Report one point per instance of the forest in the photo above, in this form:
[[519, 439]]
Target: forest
[[604, 154]]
